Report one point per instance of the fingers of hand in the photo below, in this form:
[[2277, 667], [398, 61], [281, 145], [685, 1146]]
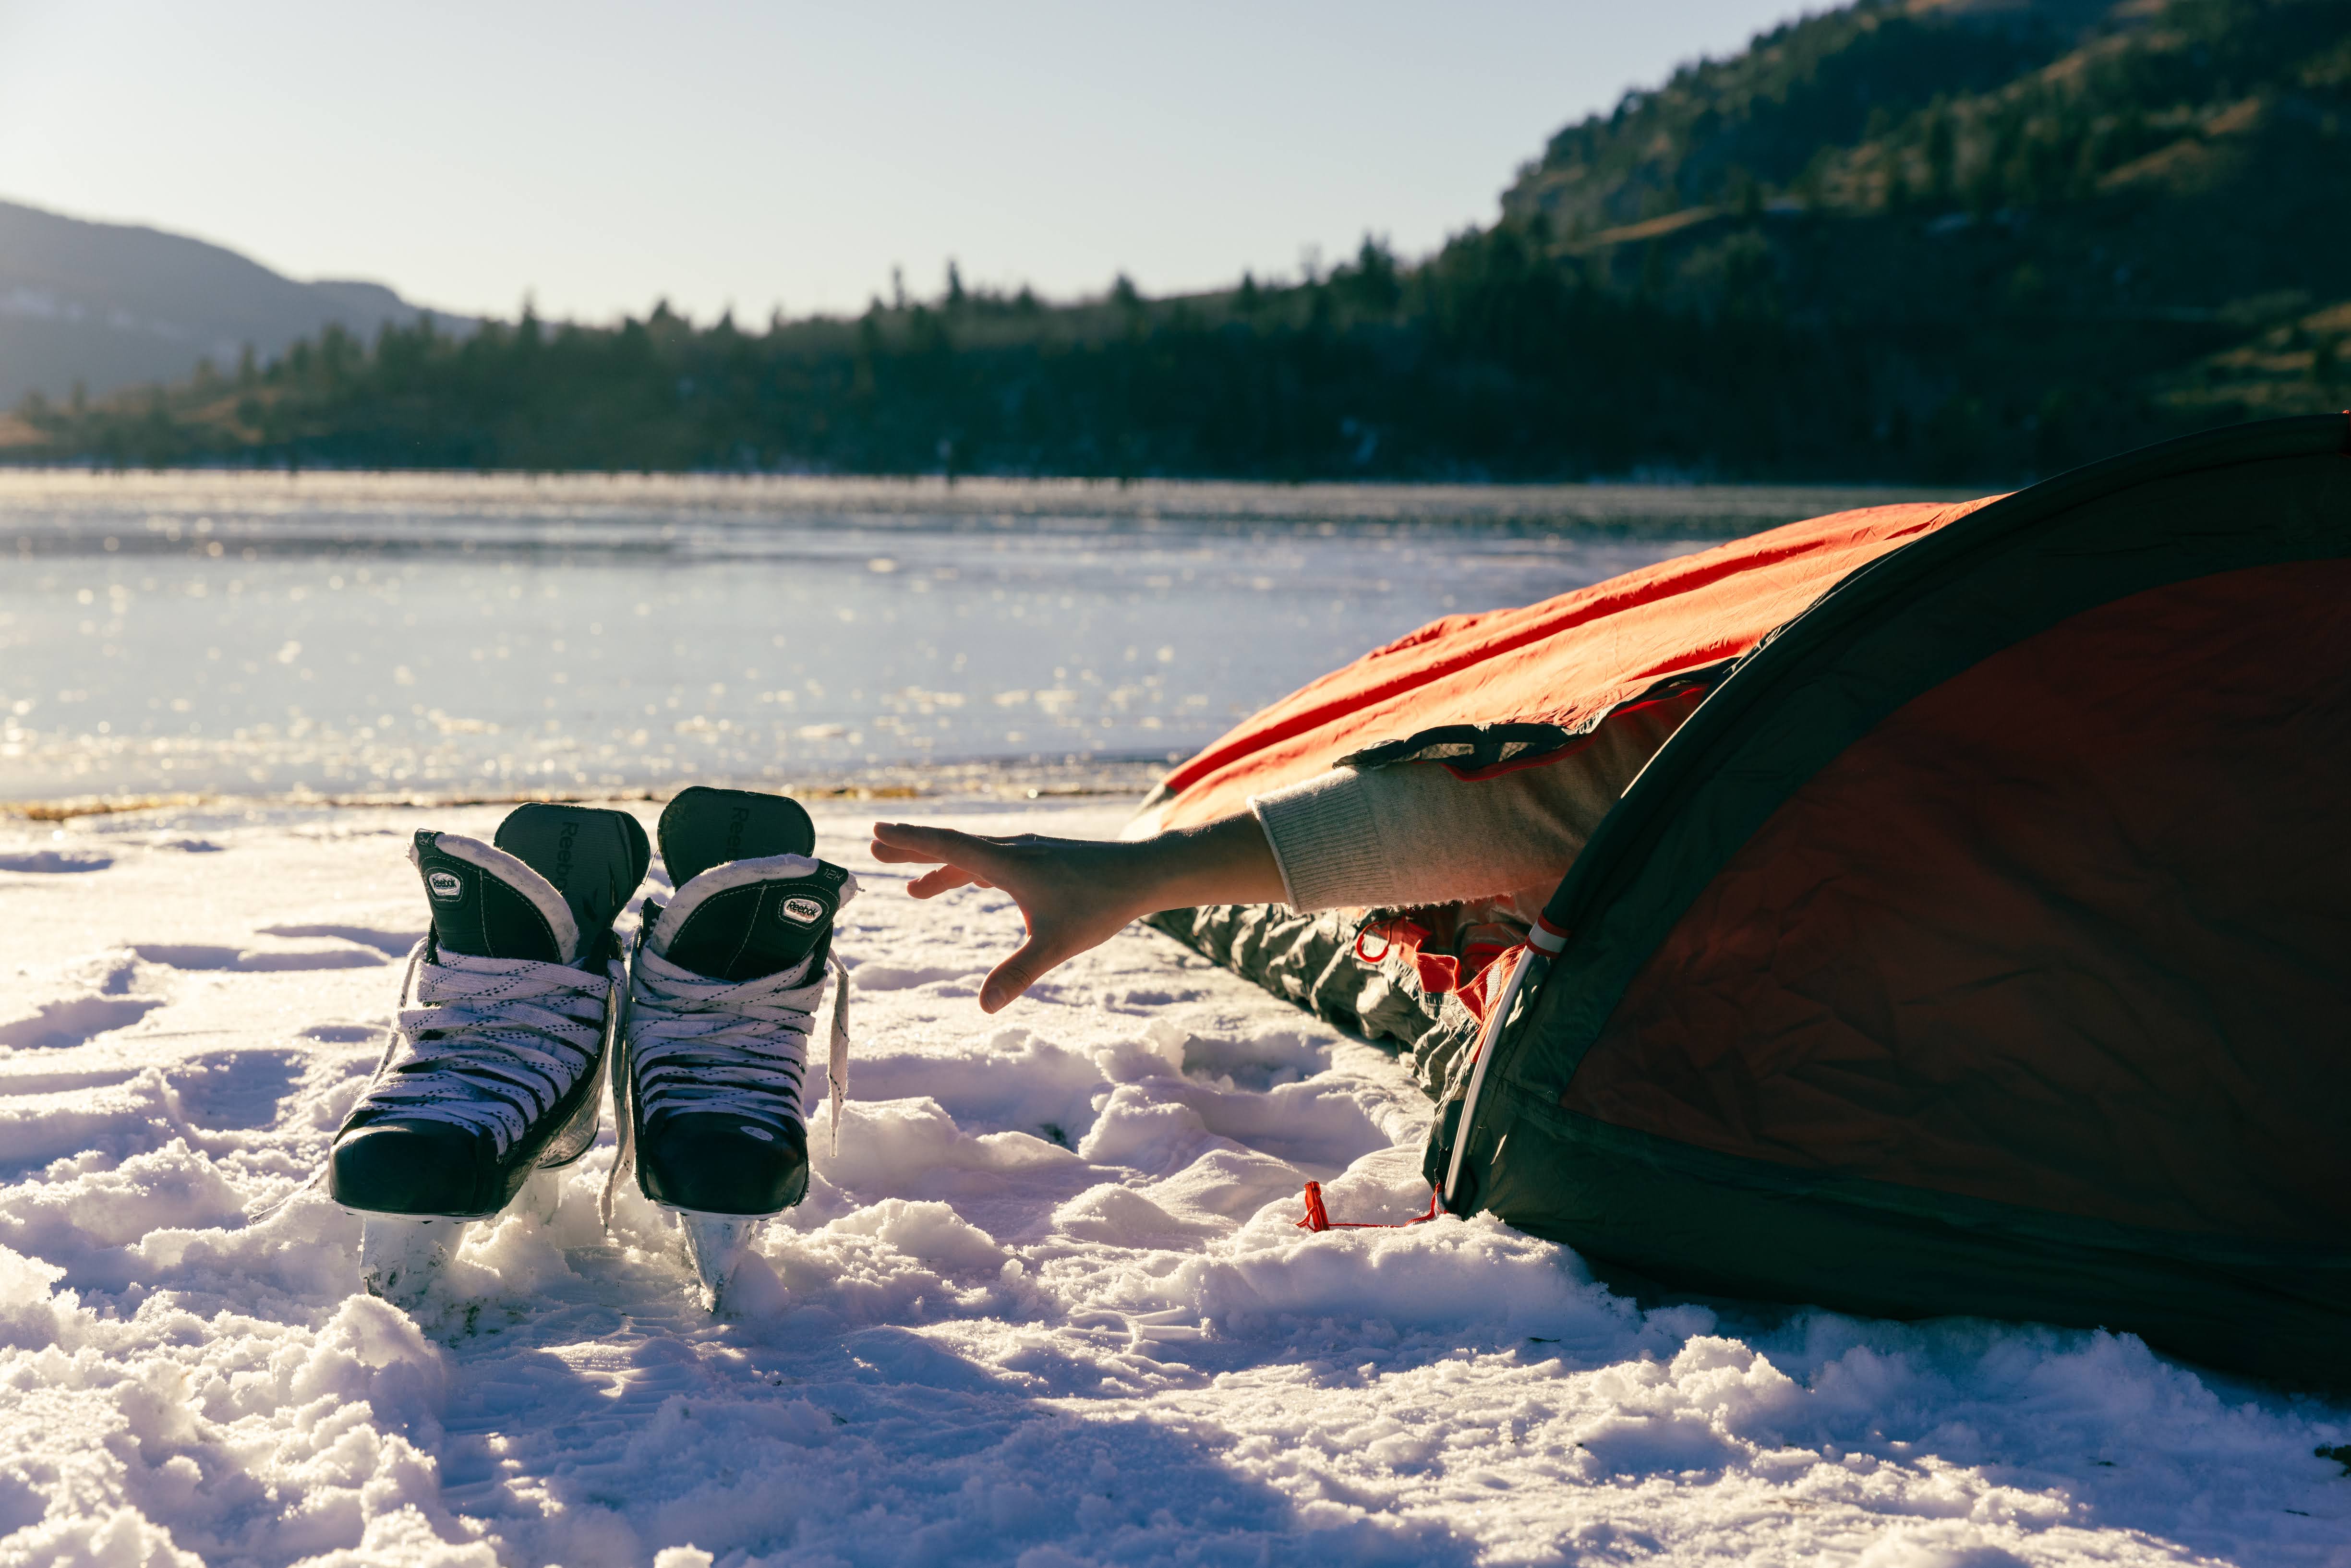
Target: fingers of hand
[[899, 843], [1029, 962], [931, 884], [898, 853], [912, 841]]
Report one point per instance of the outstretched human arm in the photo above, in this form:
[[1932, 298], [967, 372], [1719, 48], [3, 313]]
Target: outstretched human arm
[[1076, 893], [1394, 837]]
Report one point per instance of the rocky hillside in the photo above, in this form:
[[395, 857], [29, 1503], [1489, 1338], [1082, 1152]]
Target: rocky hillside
[[2169, 184]]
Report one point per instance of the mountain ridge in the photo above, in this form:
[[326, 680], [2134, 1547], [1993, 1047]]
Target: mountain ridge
[[111, 305]]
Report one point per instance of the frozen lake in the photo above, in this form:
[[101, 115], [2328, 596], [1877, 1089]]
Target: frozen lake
[[438, 634]]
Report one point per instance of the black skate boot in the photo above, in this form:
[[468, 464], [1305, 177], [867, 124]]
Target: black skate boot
[[499, 1071], [723, 989]]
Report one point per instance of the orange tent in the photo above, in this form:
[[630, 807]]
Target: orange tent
[[1980, 942]]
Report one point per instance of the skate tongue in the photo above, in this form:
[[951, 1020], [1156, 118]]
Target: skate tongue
[[489, 905], [594, 857], [750, 918], [703, 827]]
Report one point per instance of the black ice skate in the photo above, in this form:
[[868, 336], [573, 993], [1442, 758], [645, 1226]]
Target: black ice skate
[[497, 1071], [723, 989]]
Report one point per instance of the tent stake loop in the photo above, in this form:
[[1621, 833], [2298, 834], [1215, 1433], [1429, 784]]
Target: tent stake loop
[[1319, 1217]]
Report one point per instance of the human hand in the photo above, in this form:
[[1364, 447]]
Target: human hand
[[1076, 893]]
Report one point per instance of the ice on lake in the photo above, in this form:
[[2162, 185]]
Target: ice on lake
[[261, 633]]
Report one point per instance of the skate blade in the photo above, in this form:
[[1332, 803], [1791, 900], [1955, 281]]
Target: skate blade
[[541, 1195], [401, 1254], [717, 1245]]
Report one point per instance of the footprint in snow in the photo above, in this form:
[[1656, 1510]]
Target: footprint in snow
[[236, 1091], [247, 960], [76, 1020], [55, 862], [391, 944], [344, 1034]]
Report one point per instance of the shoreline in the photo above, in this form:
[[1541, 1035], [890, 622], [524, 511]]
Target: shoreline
[[1012, 783]]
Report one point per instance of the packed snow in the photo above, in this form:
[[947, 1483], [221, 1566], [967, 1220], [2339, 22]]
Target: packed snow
[[1046, 1303]]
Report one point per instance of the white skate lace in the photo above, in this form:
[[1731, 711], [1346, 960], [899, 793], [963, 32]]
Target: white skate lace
[[734, 1047], [498, 1043]]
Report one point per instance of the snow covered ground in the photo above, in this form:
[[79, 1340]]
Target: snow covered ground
[[1045, 1305]]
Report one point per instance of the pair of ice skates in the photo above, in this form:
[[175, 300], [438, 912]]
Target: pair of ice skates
[[524, 994]]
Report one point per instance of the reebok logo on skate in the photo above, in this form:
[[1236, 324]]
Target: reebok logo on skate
[[802, 911], [562, 877], [444, 884]]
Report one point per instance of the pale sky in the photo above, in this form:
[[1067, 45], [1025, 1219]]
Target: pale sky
[[599, 156]]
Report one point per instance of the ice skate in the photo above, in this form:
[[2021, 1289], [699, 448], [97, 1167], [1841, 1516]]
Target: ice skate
[[496, 1072], [724, 990]]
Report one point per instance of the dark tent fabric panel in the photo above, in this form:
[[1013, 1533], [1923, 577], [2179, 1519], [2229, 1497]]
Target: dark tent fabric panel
[[2071, 931], [1998, 698], [1900, 627]]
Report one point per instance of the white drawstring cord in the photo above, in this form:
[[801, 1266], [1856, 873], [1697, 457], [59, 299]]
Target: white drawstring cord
[[1544, 943]]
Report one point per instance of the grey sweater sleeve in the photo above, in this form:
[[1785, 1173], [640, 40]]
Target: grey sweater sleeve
[[1411, 833]]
